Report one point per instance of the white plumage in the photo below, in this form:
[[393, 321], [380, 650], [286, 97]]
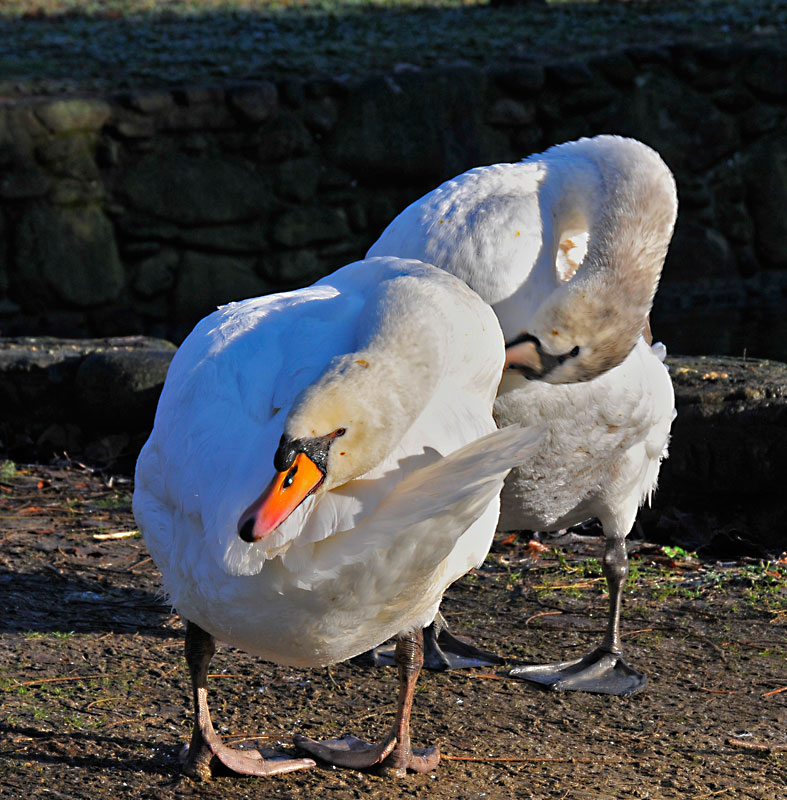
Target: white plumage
[[398, 363], [568, 247]]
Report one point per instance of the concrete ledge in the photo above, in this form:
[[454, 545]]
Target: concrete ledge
[[90, 398], [720, 490], [730, 436]]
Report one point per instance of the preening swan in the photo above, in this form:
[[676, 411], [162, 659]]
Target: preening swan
[[568, 247], [517, 234], [323, 464]]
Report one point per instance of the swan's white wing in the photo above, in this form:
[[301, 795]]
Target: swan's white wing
[[419, 522]]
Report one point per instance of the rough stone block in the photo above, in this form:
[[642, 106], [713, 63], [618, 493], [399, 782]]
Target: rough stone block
[[589, 98], [193, 190], [206, 281], [248, 237], [45, 381], [197, 108], [415, 127], [74, 114], [70, 192], [119, 387], [765, 173], [298, 178], [699, 254], [199, 95], [255, 102], [282, 138], [292, 91], [70, 156], [506, 111], [157, 273], [523, 80], [761, 119], [302, 226], [733, 98], [570, 74], [4, 262], [684, 126], [22, 127], [730, 436], [767, 74], [321, 115], [24, 184], [133, 126], [68, 253], [617, 68], [148, 101], [291, 269]]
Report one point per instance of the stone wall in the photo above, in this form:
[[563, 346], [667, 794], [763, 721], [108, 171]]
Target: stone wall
[[139, 212]]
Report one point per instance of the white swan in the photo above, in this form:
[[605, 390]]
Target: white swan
[[323, 464], [567, 246]]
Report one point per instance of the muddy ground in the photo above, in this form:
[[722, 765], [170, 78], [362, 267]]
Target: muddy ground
[[95, 697]]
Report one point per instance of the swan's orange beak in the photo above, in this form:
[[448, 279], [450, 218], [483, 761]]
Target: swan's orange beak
[[288, 489]]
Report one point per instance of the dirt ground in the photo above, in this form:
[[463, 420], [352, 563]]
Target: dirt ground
[[95, 698]]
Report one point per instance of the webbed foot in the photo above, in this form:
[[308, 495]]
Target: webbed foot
[[442, 651], [350, 751], [599, 672], [206, 754], [394, 754]]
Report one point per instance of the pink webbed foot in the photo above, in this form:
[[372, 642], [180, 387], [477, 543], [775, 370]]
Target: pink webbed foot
[[394, 754], [206, 754], [354, 753]]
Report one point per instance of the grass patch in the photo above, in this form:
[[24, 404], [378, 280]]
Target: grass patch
[[122, 500], [33, 635]]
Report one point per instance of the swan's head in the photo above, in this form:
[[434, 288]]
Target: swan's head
[[577, 338], [612, 205], [344, 425]]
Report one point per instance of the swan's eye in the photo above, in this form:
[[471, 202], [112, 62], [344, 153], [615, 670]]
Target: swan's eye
[[565, 356], [287, 482], [340, 432]]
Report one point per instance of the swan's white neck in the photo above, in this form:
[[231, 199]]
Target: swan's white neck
[[623, 196], [412, 332]]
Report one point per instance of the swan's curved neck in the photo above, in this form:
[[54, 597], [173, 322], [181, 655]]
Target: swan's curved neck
[[624, 197], [376, 391]]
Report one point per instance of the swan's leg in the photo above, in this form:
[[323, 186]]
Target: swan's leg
[[442, 651], [206, 750], [603, 671], [394, 754]]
